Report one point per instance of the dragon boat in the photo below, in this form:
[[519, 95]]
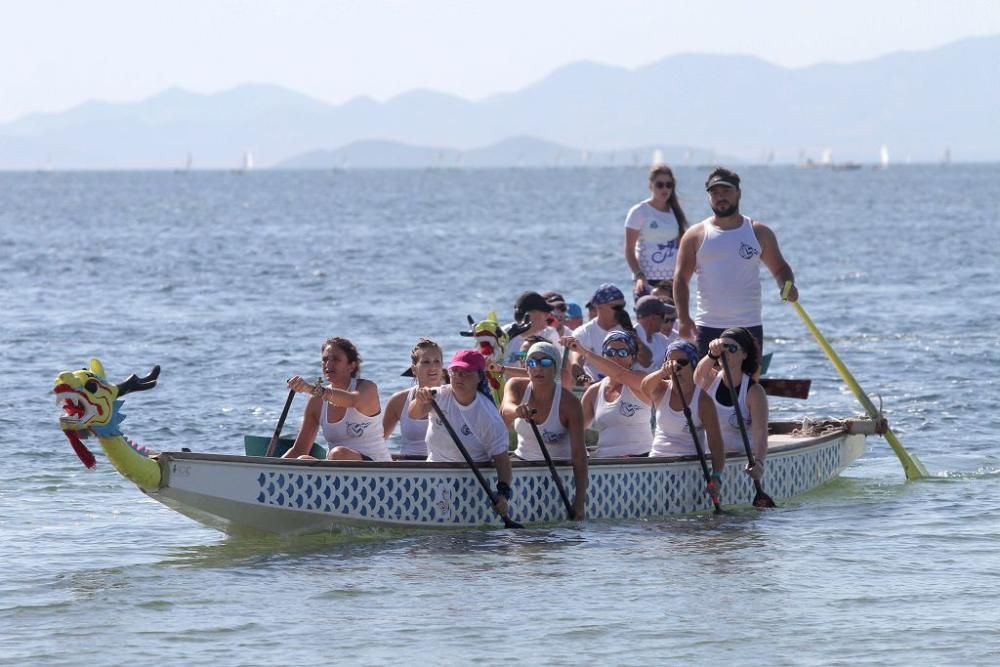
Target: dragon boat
[[252, 494]]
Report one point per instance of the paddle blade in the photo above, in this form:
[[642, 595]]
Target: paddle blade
[[510, 523], [786, 387], [763, 501]]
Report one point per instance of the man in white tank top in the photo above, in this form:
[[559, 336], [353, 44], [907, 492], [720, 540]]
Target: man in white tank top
[[725, 252]]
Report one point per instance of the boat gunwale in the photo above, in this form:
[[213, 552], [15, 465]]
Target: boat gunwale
[[842, 429]]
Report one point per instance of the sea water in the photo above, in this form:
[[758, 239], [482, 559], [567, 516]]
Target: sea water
[[232, 281]]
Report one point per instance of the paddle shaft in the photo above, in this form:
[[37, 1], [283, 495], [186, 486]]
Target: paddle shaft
[[552, 469], [694, 434], [281, 423], [912, 466], [507, 522], [743, 428]]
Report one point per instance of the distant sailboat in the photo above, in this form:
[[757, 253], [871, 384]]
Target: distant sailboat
[[883, 157], [657, 157], [947, 156], [826, 159], [247, 161]]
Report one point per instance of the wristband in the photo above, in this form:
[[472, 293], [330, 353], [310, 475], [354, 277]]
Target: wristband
[[713, 357], [503, 489], [637, 275], [716, 477]]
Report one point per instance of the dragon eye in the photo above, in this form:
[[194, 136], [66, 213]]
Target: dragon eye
[[91, 386]]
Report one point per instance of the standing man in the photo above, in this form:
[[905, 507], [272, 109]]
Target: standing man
[[726, 251]]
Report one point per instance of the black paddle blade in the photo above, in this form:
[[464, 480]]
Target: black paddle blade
[[763, 501], [510, 523]]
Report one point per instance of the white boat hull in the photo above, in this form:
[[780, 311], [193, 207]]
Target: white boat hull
[[241, 493]]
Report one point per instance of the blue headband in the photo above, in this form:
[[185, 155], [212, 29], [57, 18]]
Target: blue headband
[[686, 347], [622, 336]]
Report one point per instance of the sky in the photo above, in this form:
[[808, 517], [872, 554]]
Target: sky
[[57, 54]]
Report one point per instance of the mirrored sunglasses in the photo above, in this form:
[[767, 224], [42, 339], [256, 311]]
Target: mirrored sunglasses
[[617, 352], [544, 362]]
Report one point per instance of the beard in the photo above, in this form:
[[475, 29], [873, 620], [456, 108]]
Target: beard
[[726, 211]]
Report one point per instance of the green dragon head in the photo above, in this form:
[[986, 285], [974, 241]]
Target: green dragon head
[[90, 404]]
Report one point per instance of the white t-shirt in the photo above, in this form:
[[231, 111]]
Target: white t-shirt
[[514, 346], [658, 346], [591, 336], [657, 245], [479, 426]]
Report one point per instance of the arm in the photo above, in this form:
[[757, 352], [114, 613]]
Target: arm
[[307, 433], [509, 371], [631, 236], [683, 270], [704, 374], [713, 434], [572, 419], [513, 394], [393, 411], [655, 384], [770, 254], [628, 377], [588, 402], [757, 406], [420, 406]]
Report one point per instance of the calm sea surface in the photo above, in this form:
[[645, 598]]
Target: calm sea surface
[[231, 282]]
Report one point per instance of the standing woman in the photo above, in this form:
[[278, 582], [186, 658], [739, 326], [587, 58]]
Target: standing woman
[[673, 436], [653, 230], [617, 407], [427, 368], [347, 410], [740, 348], [556, 411]]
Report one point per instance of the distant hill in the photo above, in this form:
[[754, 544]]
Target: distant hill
[[916, 103], [514, 152]]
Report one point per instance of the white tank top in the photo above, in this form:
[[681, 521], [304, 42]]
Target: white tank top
[[360, 432], [728, 270], [728, 424], [413, 432], [623, 425], [673, 436], [554, 434]]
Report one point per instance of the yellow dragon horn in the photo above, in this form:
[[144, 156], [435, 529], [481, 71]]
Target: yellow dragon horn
[[97, 368]]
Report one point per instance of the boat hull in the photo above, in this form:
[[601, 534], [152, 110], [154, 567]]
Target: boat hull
[[240, 494]]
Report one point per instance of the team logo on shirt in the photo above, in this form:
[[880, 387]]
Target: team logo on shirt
[[465, 429], [551, 437], [747, 252], [357, 429], [666, 250], [735, 424], [627, 409]]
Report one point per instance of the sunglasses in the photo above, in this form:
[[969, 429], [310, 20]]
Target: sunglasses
[[732, 348], [544, 362], [664, 185], [681, 363], [617, 352]]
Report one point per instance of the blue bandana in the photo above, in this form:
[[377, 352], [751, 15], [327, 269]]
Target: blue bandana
[[620, 336], [607, 293], [686, 347]]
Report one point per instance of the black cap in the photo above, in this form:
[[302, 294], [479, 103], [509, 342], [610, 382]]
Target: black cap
[[530, 301], [731, 180], [554, 299]]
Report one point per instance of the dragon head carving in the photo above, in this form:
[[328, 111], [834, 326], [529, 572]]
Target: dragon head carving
[[90, 404]]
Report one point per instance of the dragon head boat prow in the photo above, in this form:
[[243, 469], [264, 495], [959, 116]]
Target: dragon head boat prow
[[91, 405]]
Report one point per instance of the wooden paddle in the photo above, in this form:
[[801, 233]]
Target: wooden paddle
[[694, 436], [507, 522], [281, 422], [761, 499], [552, 469], [912, 466]]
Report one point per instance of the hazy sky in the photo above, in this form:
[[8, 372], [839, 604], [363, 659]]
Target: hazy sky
[[57, 54]]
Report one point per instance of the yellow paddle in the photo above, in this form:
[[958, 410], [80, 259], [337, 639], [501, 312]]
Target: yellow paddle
[[912, 466]]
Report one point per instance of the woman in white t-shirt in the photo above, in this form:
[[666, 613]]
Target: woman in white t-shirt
[[427, 369], [653, 230]]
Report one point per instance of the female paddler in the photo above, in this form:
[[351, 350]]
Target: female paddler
[[740, 348], [427, 369], [616, 407], [347, 410], [673, 436], [467, 405], [557, 414]]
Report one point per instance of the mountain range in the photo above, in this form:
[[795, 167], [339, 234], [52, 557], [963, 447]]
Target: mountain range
[[918, 103]]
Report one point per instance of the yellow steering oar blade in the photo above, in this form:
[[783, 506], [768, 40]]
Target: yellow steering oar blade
[[912, 466]]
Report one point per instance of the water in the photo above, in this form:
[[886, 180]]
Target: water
[[231, 282]]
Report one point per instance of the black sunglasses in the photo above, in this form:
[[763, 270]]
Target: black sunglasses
[[663, 185], [732, 347], [681, 363]]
